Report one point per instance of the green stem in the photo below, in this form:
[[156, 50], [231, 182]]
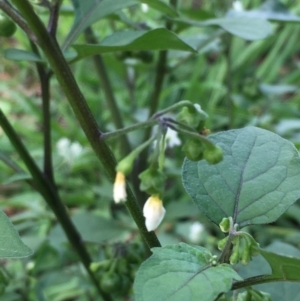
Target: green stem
[[128, 129], [44, 77], [203, 139], [132, 156], [82, 112], [182, 125], [177, 105], [107, 89], [14, 166], [48, 191], [253, 281], [53, 19]]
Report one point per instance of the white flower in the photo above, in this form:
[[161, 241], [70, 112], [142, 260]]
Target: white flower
[[154, 212], [172, 138], [119, 192], [195, 232], [237, 5], [68, 150]]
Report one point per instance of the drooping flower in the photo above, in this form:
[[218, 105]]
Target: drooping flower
[[119, 192], [154, 212]]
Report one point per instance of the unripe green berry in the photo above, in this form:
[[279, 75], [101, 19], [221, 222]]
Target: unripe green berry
[[7, 27], [193, 149], [110, 282], [213, 155]]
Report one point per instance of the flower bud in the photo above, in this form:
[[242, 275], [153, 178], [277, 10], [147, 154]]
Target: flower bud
[[193, 149], [213, 155], [154, 212], [119, 190], [152, 181]]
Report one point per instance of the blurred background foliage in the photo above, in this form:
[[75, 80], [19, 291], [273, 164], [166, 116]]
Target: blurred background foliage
[[237, 82]]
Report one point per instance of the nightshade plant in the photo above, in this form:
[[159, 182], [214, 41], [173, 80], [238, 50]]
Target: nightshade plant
[[237, 178]]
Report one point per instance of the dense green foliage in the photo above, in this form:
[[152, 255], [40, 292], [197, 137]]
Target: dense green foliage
[[91, 88]]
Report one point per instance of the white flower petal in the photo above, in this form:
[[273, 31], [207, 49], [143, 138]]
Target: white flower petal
[[172, 138], [119, 191], [154, 212]]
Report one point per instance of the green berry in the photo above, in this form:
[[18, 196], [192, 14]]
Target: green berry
[[110, 282], [7, 27], [213, 155], [193, 149]]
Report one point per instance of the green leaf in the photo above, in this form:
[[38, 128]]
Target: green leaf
[[11, 246], [280, 290], [21, 55], [248, 28], [161, 6], [89, 11], [182, 272], [17, 177], [256, 182], [283, 267], [156, 39]]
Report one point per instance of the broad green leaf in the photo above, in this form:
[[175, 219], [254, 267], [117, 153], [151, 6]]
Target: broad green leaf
[[21, 55], [17, 177], [283, 267], [248, 28], [256, 182], [279, 290], [11, 246], [182, 272], [161, 6], [156, 39], [89, 11]]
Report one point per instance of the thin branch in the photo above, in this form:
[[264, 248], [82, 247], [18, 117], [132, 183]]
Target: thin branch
[[44, 77], [79, 105], [128, 129], [48, 191], [107, 89], [53, 20]]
